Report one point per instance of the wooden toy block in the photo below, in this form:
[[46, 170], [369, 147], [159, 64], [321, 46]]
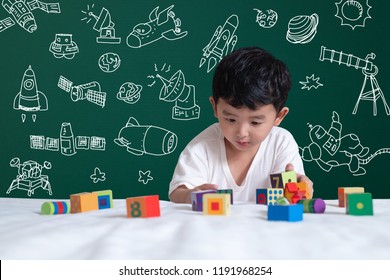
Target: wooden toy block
[[282, 201], [55, 207], [83, 202], [359, 204], [313, 205], [290, 213], [197, 199], [216, 204], [279, 180], [295, 192], [261, 196], [104, 199], [343, 191], [143, 206], [230, 191]]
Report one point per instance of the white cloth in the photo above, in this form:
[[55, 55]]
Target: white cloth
[[204, 161]]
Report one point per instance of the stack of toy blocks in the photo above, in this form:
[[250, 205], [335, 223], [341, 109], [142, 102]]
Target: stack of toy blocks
[[143, 206], [268, 196], [197, 199], [216, 204]]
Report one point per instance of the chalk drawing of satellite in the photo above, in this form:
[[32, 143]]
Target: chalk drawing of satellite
[[21, 12], [221, 43]]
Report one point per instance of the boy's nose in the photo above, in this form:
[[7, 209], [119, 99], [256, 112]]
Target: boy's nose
[[242, 131]]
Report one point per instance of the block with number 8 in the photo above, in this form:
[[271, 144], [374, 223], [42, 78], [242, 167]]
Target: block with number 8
[[143, 206]]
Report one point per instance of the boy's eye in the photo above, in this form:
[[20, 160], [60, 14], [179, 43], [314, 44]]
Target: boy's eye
[[230, 120], [256, 123]]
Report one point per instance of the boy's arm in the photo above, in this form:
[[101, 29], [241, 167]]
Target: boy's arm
[[182, 194]]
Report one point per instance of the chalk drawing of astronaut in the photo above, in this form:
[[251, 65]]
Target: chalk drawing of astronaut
[[330, 149]]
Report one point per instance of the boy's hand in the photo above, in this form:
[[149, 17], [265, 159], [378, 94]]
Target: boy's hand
[[302, 178], [182, 194]]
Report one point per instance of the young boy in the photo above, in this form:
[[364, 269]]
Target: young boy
[[250, 88]]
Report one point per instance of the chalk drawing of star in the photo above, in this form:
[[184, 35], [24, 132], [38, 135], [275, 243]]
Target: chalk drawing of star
[[98, 175], [311, 82], [144, 177]]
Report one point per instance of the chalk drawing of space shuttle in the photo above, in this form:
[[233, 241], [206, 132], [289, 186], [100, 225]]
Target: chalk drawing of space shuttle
[[21, 12], [222, 43], [146, 139], [162, 24]]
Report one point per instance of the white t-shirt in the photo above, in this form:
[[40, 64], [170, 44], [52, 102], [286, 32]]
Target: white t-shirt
[[204, 161]]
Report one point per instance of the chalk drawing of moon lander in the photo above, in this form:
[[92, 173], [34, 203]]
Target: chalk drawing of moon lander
[[21, 12], [30, 176], [370, 90]]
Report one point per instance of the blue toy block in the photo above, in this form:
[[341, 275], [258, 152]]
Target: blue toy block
[[289, 213], [261, 196]]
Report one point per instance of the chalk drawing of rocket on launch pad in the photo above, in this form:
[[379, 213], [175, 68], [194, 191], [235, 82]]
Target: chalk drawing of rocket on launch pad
[[21, 12], [221, 43], [329, 148], [29, 98]]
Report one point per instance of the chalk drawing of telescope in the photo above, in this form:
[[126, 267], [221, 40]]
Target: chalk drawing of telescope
[[146, 139], [162, 24], [222, 43]]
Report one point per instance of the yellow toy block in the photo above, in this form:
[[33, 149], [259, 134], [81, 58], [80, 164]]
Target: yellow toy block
[[83, 202], [279, 180], [216, 204], [343, 191], [104, 199]]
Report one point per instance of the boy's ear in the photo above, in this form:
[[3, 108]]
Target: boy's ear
[[282, 113], [212, 101]]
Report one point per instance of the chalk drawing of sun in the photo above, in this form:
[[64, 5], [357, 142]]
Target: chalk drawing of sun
[[353, 12]]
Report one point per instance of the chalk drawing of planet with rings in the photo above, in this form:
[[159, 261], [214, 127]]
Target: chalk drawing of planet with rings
[[109, 62], [302, 29], [129, 92]]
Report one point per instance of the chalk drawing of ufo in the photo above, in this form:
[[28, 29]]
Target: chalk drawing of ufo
[[353, 12]]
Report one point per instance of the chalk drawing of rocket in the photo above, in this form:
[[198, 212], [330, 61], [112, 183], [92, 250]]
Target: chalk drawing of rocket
[[146, 139], [21, 12], [29, 98], [162, 24], [222, 43]]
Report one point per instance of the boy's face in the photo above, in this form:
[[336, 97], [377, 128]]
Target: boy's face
[[243, 128]]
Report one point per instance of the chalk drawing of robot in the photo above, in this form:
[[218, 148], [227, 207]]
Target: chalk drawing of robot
[[332, 149]]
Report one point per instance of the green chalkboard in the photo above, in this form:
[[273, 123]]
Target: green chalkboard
[[106, 94]]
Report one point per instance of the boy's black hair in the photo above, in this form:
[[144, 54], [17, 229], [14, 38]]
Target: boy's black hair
[[251, 77]]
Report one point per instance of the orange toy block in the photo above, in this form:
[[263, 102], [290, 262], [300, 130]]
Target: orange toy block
[[295, 192], [216, 204], [143, 206], [83, 202], [343, 191]]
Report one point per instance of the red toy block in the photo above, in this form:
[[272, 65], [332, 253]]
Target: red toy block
[[143, 206], [295, 192]]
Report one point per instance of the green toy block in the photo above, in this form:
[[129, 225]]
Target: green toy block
[[359, 204]]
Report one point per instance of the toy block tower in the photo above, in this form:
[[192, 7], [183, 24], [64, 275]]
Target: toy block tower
[[216, 204], [143, 206], [343, 191], [104, 199], [279, 180], [83, 202], [268, 196], [197, 199], [359, 204], [289, 213]]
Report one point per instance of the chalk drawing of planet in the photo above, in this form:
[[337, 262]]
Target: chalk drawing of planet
[[302, 29]]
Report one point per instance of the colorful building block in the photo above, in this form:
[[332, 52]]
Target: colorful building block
[[55, 207], [83, 202], [230, 191], [343, 191], [143, 206], [359, 204], [216, 204], [290, 213], [282, 201], [279, 180], [197, 199], [104, 199], [313, 205], [268, 196], [295, 192]]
